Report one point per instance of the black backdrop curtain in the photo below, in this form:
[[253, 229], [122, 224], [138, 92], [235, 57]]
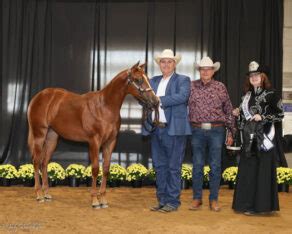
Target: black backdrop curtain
[[81, 45]]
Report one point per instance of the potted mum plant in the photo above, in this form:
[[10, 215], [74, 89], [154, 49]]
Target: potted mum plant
[[88, 175], [186, 175], [26, 174], [75, 172], [284, 178], [135, 174], [229, 175], [206, 171], [117, 174], [55, 173], [151, 176], [7, 173]]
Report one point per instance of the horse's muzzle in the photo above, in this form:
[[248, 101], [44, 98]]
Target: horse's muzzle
[[154, 103]]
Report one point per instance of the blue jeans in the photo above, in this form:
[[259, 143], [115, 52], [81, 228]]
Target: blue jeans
[[214, 140], [167, 154]]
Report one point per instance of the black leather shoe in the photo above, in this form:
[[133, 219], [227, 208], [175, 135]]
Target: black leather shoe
[[249, 213], [156, 208], [167, 209]]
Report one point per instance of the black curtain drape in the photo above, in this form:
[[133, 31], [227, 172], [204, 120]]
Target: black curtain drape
[[82, 45]]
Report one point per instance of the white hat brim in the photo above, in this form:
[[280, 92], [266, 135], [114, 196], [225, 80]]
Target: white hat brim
[[216, 66], [176, 58]]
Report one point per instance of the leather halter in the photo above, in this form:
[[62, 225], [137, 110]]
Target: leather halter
[[132, 82], [146, 112]]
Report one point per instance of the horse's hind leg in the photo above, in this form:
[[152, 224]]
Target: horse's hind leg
[[48, 149], [94, 158], [36, 142], [107, 150]]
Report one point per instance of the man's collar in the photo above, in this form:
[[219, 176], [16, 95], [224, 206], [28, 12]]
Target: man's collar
[[208, 83], [168, 77]]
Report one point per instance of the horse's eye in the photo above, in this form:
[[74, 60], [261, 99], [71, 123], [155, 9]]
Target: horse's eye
[[139, 81]]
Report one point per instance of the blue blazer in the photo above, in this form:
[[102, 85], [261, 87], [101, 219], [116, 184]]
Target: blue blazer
[[174, 104]]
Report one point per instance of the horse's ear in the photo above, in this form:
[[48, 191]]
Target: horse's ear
[[136, 65], [143, 66]]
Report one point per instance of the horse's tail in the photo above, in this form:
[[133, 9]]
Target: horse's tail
[[30, 140]]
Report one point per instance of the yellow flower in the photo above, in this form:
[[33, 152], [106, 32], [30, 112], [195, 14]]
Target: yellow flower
[[206, 173], [230, 174], [136, 171], [26, 172], [8, 171], [186, 171], [284, 175], [56, 171], [151, 174], [75, 170], [117, 172]]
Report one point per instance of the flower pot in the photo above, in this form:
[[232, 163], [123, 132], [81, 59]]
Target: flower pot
[[5, 182], [73, 181], [136, 183], [206, 185], [89, 182], [185, 184], [283, 188], [152, 182], [231, 184], [114, 183], [52, 183], [28, 183]]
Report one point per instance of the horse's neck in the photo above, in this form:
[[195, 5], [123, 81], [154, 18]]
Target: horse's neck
[[115, 92]]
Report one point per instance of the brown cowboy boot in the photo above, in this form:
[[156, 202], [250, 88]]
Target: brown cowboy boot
[[214, 206], [196, 204]]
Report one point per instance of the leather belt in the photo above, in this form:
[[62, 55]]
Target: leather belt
[[161, 125], [207, 125]]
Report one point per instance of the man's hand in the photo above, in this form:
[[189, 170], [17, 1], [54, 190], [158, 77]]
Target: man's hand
[[229, 140], [235, 112]]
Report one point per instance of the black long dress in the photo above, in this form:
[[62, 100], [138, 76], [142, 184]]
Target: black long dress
[[256, 185]]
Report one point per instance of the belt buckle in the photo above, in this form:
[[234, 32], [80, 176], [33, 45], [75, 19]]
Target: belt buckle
[[206, 126]]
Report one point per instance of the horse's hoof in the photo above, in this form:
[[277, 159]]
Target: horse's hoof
[[103, 206], [40, 199], [96, 206], [48, 197]]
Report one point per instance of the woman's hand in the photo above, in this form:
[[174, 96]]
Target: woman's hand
[[235, 112], [257, 118], [229, 140]]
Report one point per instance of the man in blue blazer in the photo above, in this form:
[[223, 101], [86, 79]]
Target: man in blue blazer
[[168, 141]]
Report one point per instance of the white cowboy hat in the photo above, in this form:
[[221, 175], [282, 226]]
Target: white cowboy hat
[[207, 62], [167, 53]]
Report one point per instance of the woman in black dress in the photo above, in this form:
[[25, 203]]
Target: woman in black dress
[[256, 185]]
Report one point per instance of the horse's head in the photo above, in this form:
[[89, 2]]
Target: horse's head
[[140, 88]]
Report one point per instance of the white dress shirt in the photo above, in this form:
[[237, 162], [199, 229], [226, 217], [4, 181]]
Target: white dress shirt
[[160, 93]]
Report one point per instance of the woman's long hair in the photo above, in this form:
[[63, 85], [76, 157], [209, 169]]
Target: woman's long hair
[[265, 83]]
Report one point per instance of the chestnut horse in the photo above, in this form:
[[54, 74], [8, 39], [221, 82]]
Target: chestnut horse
[[93, 117]]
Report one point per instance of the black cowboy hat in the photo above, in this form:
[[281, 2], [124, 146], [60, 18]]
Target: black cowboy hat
[[255, 68]]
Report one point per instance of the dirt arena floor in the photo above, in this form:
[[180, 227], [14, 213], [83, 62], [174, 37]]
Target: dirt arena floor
[[70, 212]]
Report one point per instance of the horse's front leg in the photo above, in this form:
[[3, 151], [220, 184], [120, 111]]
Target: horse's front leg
[[94, 158], [107, 150]]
